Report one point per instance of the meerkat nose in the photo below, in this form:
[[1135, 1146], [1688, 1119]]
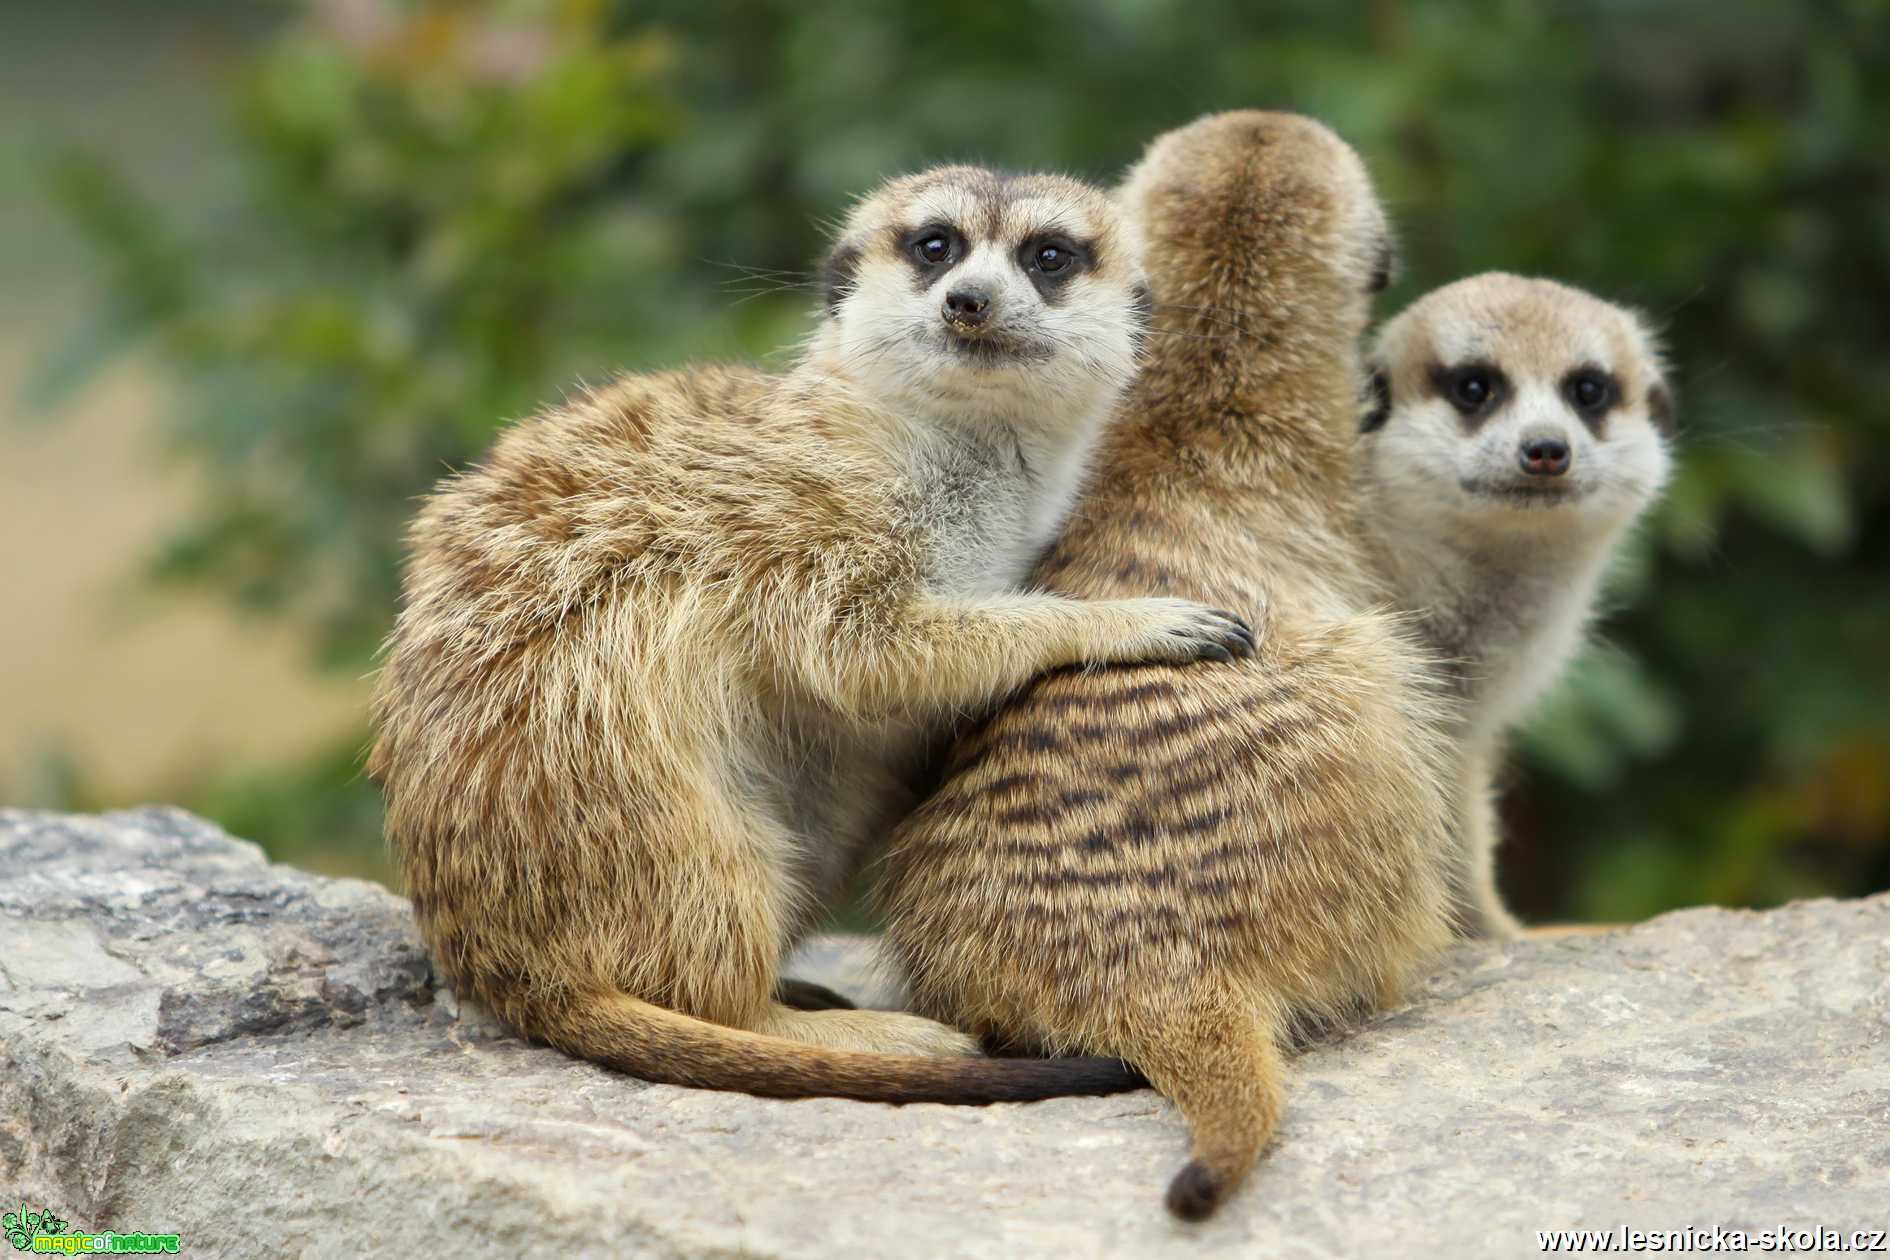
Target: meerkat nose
[[967, 308], [1544, 456]]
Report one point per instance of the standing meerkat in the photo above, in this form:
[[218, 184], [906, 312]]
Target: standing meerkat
[[1518, 428], [1182, 867], [667, 654]]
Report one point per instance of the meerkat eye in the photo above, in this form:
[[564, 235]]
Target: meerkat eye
[[933, 248], [1472, 388], [1589, 390], [1049, 257]]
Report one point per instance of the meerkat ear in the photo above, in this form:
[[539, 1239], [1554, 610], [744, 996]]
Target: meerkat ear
[[1142, 302], [1660, 407], [837, 274], [1377, 399], [1385, 268]]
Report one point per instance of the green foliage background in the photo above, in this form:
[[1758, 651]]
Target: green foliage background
[[454, 210]]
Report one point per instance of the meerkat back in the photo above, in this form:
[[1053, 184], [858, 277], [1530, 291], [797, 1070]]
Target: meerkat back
[[1179, 866], [1516, 431]]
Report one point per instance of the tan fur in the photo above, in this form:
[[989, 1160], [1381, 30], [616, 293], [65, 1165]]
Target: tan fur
[[1501, 567], [667, 656], [1182, 866]]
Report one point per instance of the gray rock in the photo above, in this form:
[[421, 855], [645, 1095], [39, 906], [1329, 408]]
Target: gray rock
[[195, 1041]]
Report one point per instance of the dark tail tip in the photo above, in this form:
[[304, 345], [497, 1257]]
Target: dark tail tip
[[1098, 1076], [1031, 1079], [1194, 1193]]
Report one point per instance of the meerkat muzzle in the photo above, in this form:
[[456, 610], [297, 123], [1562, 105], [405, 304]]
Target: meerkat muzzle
[[1544, 455], [967, 310]]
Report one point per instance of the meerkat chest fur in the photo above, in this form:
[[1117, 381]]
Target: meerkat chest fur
[[1502, 610], [986, 506]]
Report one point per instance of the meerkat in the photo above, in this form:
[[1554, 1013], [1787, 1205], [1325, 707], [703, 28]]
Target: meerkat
[[668, 653], [1517, 429], [1185, 867]]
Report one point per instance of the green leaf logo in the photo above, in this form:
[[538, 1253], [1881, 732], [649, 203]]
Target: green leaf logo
[[22, 1227], [15, 1223]]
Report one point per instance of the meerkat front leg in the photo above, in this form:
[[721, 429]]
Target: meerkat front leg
[[942, 653], [1484, 913]]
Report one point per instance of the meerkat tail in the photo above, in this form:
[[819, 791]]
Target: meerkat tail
[[1228, 1081], [657, 1044]]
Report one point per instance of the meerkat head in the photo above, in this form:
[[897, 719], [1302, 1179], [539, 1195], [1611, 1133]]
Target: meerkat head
[[1275, 206], [1499, 398], [963, 287]]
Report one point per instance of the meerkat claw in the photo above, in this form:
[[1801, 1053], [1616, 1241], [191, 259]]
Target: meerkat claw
[[1222, 636]]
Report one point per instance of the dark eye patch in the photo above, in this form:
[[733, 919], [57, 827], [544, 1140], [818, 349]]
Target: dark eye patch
[[931, 250], [1591, 392], [1476, 388], [1051, 260]]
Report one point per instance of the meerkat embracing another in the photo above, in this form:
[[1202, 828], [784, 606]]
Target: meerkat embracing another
[[1517, 429], [1184, 866], [667, 656]]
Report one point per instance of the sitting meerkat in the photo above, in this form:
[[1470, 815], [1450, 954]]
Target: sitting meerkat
[[667, 655], [1184, 866], [1517, 430]]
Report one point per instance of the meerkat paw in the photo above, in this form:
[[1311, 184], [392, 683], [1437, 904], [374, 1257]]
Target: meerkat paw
[[1180, 630], [915, 1034], [881, 1032]]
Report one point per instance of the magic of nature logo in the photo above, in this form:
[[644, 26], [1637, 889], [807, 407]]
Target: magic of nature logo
[[46, 1233]]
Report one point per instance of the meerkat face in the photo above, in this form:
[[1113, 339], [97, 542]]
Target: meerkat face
[[961, 285], [1520, 399]]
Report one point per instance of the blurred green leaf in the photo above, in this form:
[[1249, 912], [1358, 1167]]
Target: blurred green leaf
[[1606, 715]]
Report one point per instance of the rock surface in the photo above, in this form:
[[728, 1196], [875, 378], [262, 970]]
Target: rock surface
[[193, 1041]]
